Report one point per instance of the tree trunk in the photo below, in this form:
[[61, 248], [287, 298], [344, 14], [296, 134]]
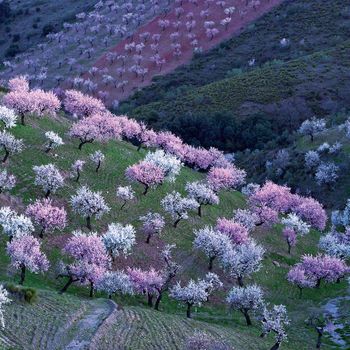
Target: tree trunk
[[41, 234], [7, 153], [148, 238], [289, 247], [149, 300], [176, 222], [276, 346], [47, 194], [200, 211], [78, 176], [247, 317], [65, 287], [121, 208], [146, 190], [91, 289], [23, 274], [88, 223], [240, 281], [211, 259], [188, 311], [300, 292], [98, 166], [319, 338], [312, 137], [22, 119], [318, 284], [156, 305]]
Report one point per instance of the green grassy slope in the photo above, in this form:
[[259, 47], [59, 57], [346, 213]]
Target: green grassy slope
[[213, 317]]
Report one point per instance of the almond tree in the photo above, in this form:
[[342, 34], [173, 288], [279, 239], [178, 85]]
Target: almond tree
[[89, 204], [195, 292], [237, 233], [77, 168], [3, 300], [115, 282], [97, 158], [275, 320], [90, 260], [146, 173], [119, 239], [312, 126], [212, 243], [25, 254], [178, 207], [242, 260], [246, 299], [15, 225], [7, 181], [336, 244], [10, 145], [49, 178], [153, 224], [201, 193], [8, 117], [53, 141], [47, 216], [225, 178], [301, 279], [125, 193]]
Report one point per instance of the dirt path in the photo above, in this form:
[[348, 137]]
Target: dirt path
[[84, 331]]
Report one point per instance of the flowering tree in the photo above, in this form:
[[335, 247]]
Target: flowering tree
[[8, 117], [97, 158], [327, 173], [119, 239], [19, 83], [25, 254], [301, 279], [14, 225], [169, 272], [153, 224], [225, 178], [125, 193], [212, 243], [312, 126], [7, 181], [90, 260], [275, 320], [322, 267], [146, 173], [336, 244], [115, 282], [195, 292], [82, 105], [3, 300], [77, 168], [245, 300], [49, 178], [170, 164], [53, 141], [10, 144], [47, 216], [237, 233], [178, 206], [312, 159], [89, 204], [201, 193], [242, 260], [246, 218], [45, 102]]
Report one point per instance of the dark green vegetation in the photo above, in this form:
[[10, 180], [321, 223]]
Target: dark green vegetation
[[136, 318], [24, 23], [218, 100]]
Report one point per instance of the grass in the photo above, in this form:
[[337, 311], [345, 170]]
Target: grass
[[136, 318]]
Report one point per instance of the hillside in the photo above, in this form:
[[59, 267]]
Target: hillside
[[213, 317], [255, 107]]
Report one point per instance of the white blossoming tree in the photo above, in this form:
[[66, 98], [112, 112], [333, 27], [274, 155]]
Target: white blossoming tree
[[119, 239], [49, 178], [10, 145], [97, 158], [89, 204], [246, 299], [7, 181], [8, 117], [212, 243], [312, 126], [178, 206], [115, 282], [53, 141], [4, 299], [125, 193], [153, 224], [201, 193], [15, 225]]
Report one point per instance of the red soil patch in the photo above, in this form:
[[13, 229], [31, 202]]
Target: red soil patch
[[245, 13]]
